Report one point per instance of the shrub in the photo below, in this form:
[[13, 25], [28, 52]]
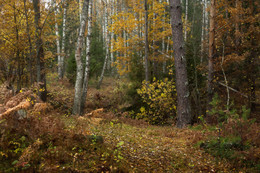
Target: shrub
[[237, 138], [160, 97]]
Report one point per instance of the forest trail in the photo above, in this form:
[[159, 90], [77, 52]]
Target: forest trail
[[129, 145], [138, 146], [159, 149]]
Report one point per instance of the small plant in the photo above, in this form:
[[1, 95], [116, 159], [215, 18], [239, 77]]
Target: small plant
[[118, 157]]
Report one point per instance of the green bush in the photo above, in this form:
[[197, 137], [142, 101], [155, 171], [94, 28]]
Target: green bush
[[223, 147]]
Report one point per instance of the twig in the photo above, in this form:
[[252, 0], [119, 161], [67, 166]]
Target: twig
[[232, 89]]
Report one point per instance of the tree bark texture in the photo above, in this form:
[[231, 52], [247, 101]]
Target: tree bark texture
[[63, 40], [212, 51], [146, 43], [107, 48], [41, 79], [183, 102], [57, 37], [86, 76], [78, 51]]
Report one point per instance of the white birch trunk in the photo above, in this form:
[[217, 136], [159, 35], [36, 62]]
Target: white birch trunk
[[86, 76], [163, 43], [112, 37], [80, 15], [57, 37], [107, 48], [79, 79], [63, 40]]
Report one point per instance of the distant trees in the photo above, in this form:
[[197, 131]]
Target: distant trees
[[133, 38]]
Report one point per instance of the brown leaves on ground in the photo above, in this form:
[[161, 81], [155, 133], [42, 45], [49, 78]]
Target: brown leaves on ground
[[42, 107], [23, 105], [95, 113]]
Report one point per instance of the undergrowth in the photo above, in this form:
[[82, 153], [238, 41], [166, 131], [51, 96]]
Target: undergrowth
[[236, 139], [109, 141]]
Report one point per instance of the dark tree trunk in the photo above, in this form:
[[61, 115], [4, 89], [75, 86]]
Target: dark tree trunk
[[183, 102], [18, 77], [41, 79]]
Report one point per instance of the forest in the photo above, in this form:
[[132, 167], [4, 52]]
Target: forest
[[129, 86]]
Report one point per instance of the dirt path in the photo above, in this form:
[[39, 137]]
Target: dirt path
[[157, 149]]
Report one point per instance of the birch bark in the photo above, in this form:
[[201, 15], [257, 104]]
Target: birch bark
[[78, 51], [107, 49], [88, 56], [63, 40], [57, 37]]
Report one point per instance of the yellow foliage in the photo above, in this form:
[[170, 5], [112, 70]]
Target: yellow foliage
[[129, 31], [160, 98]]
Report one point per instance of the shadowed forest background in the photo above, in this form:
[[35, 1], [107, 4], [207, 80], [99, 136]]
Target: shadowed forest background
[[129, 86]]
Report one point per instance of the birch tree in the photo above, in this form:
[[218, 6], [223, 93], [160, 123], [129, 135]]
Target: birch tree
[[79, 63], [61, 74], [183, 102], [88, 56], [107, 48], [57, 38], [112, 37]]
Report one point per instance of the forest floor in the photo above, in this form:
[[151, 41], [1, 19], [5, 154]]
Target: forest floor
[[127, 145]]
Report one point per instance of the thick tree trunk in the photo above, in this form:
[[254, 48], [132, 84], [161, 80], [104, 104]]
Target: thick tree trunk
[[78, 51], [63, 40], [41, 79], [183, 102], [146, 56], [86, 76], [210, 87]]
